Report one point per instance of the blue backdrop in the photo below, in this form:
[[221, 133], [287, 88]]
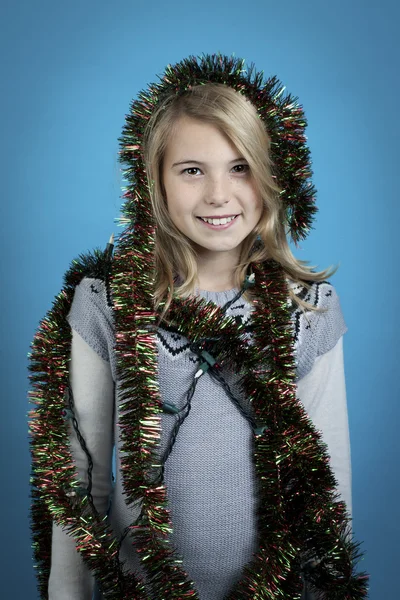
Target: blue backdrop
[[69, 72]]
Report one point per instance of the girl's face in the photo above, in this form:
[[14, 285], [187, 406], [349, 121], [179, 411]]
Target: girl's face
[[205, 177]]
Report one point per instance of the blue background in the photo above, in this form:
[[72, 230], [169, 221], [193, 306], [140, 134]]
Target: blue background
[[69, 72]]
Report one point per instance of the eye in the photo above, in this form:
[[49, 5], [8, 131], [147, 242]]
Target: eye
[[241, 168], [191, 171]]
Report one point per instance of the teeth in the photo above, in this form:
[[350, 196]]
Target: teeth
[[223, 221]]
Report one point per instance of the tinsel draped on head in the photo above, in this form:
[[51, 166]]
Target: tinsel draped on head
[[281, 113]]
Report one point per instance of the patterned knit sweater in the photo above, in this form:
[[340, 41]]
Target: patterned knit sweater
[[209, 475]]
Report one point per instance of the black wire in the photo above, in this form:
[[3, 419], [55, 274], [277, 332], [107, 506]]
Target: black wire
[[233, 300], [89, 487], [179, 420], [84, 448], [196, 347], [107, 270], [217, 375]]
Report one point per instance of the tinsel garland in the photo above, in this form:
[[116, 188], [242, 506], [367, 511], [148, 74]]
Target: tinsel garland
[[56, 491], [302, 526], [301, 519], [282, 114]]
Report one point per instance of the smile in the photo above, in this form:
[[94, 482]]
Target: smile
[[223, 223]]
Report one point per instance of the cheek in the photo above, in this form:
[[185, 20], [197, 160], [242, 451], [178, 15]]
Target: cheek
[[254, 195], [182, 199], [169, 195], [176, 208], [258, 202], [170, 200], [173, 204]]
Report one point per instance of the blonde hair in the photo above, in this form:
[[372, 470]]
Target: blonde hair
[[238, 119]]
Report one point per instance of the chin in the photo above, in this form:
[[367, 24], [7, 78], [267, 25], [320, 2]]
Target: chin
[[218, 248]]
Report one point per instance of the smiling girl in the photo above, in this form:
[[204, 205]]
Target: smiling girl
[[211, 198], [210, 357]]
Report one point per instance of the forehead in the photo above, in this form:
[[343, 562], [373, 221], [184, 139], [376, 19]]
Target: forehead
[[198, 136]]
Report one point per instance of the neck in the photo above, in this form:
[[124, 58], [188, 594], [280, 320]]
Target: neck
[[215, 272], [215, 280], [215, 287]]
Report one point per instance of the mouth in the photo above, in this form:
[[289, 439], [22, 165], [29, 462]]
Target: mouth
[[218, 223]]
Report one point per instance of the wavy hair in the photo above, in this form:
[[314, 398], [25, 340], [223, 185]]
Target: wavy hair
[[175, 256]]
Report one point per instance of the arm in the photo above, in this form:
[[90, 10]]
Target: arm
[[323, 394], [93, 390]]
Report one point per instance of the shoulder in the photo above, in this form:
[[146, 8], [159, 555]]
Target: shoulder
[[93, 294], [91, 312], [316, 332], [91, 315], [320, 294], [88, 280]]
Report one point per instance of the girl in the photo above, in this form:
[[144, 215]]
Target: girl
[[209, 356]]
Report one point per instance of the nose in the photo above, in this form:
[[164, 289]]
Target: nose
[[217, 190]]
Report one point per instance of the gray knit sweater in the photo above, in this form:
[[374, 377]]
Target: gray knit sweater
[[209, 475]]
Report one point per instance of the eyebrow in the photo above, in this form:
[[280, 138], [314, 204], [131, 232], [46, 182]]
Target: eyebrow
[[197, 162]]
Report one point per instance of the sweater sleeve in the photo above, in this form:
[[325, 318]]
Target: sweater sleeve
[[317, 332], [93, 393], [92, 317], [323, 394]]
